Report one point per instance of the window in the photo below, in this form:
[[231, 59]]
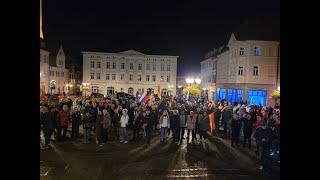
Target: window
[[257, 97], [168, 78], [98, 64], [234, 95], [162, 67], [107, 76], [92, 64], [130, 91], [92, 75], [62, 73], [240, 70], [121, 89], [131, 77], [241, 51], [131, 65], [122, 65], [113, 76], [147, 77], [140, 67], [154, 67], [108, 65], [257, 51], [98, 75], [139, 77], [148, 67], [168, 67], [114, 65], [121, 77], [153, 78], [221, 94], [95, 89], [255, 70], [57, 74], [110, 90], [161, 78]]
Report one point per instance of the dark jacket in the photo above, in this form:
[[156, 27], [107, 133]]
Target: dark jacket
[[148, 121], [137, 124], [204, 124], [87, 122], [263, 133], [63, 119], [76, 118], [175, 121]]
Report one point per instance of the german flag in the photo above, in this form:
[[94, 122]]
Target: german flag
[[212, 124]]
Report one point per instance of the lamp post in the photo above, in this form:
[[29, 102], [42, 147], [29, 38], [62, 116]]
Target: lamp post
[[191, 81], [69, 86], [85, 87]]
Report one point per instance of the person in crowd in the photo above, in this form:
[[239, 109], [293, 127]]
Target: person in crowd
[[199, 117], [155, 113], [248, 122], [226, 117], [106, 126], [164, 125], [235, 126], [258, 124], [175, 125], [148, 124], [137, 124], [124, 120], [99, 126], [63, 120], [131, 116], [263, 134], [46, 125], [191, 121], [76, 120], [87, 127], [204, 127], [183, 123], [116, 122]]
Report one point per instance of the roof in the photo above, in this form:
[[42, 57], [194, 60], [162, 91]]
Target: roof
[[260, 28], [131, 52]]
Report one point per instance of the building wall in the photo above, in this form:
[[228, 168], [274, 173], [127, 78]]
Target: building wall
[[127, 58]]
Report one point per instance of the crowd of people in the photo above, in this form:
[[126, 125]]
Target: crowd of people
[[188, 120]]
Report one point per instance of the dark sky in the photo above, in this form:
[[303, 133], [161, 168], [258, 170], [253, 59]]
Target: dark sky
[[187, 30]]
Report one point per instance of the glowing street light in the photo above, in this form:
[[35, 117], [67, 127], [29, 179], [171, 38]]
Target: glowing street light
[[278, 88], [40, 74], [198, 81], [204, 89]]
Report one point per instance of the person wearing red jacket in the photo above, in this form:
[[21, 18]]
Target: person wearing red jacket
[[63, 120]]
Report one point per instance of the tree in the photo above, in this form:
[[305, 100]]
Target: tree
[[275, 94], [192, 89]]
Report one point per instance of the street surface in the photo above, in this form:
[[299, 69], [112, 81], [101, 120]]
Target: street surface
[[215, 159]]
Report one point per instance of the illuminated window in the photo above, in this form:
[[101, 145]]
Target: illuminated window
[[108, 65], [130, 91], [147, 77], [107, 76], [92, 75], [153, 78], [140, 67], [168, 78], [98, 75], [131, 65], [122, 65], [161, 78], [92, 64], [131, 77], [98, 64], [113, 76], [114, 65], [257, 51], [139, 77]]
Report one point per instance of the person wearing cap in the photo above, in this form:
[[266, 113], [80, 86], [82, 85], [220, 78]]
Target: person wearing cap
[[76, 119], [124, 120]]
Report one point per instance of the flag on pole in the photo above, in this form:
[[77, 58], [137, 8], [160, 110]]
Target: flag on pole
[[212, 124], [41, 33], [159, 93], [143, 96]]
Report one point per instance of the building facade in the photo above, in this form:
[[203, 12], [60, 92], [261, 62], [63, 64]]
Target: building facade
[[75, 79], [130, 72], [244, 70], [44, 71], [247, 71], [58, 73]]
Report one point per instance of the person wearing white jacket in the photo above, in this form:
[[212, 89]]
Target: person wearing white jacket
[[123, 124]]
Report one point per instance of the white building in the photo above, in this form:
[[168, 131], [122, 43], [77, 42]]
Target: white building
[[44, 71], [58, 73], [246, 70], [129, 71]]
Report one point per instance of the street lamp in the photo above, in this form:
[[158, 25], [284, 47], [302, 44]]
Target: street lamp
[[198, 81], [40, 74], [278, 88], [204, 89]]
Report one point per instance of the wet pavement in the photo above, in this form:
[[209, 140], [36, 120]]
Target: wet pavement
[[211, 160]]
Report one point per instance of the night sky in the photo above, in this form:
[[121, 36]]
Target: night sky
[[187, 30]]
